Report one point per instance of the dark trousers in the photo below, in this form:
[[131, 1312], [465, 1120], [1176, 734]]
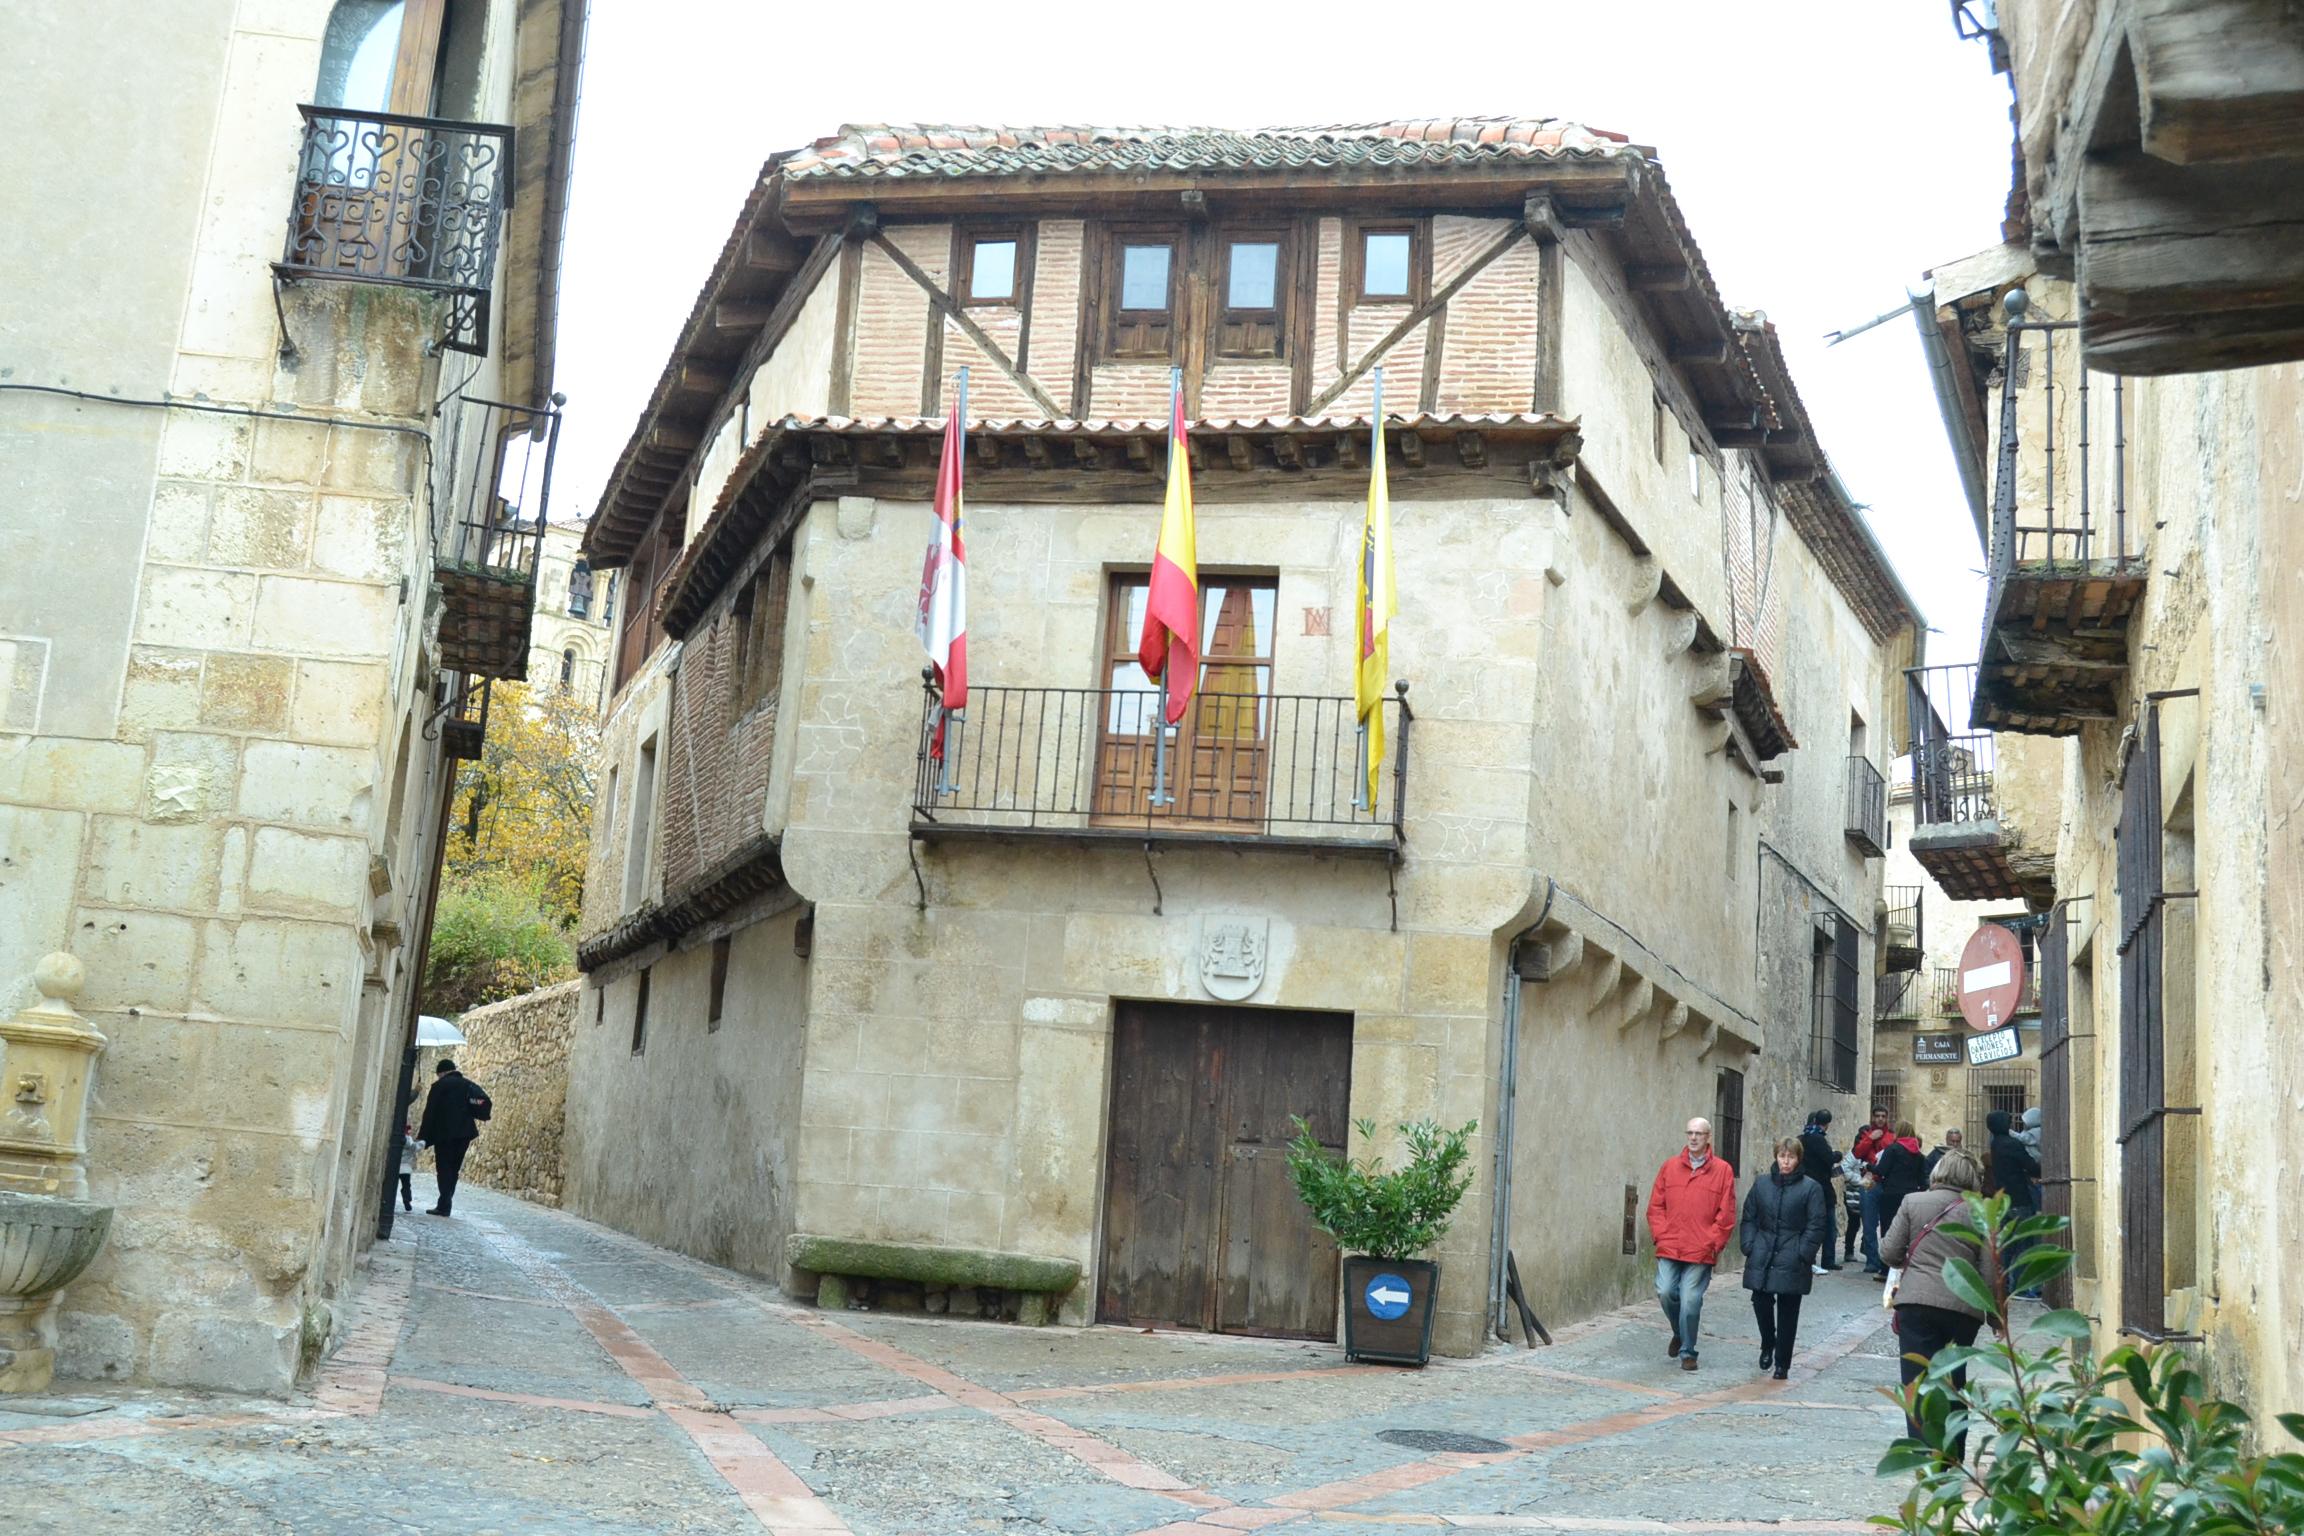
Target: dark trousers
[[1923, 1330], [1825, 1255], [1779, 1319], [407, 1192], [449, 1157]]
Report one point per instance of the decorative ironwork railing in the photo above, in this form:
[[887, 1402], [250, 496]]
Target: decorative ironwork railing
[[1259, 767], [1944, 991], [1867, 823], [492, 483], [1952, 762], [2060, 484], [413, 201]]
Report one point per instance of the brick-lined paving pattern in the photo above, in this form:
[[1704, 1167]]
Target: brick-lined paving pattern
[[516, 1369]]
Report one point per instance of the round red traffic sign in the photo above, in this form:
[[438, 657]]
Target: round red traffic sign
[[1991, 977]]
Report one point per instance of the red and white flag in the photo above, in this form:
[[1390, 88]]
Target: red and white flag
[[942, 623]]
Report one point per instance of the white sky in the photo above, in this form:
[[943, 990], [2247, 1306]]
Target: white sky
[[1826, 153]]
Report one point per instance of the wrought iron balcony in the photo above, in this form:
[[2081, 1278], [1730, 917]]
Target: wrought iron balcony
[[1944, 991], [2066, 567], [460, 713], [1956, 832], [492, 473], [1867, 820], [1084, 764], [1896, 995], [411, 201], [1904, 939]]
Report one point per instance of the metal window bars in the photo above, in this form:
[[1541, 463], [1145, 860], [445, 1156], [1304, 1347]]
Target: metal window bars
[[491, 483], [1833, 1007], [417, 202], [1253, 766]]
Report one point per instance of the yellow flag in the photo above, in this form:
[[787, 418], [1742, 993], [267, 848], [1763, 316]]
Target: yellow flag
[[1378, 603]]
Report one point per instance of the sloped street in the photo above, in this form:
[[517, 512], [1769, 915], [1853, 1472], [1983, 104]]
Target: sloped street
[[518, 1370]]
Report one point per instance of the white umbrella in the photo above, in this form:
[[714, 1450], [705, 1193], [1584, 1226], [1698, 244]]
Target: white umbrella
[[432, 1031]]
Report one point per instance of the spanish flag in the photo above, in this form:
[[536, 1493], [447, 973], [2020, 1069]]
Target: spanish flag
[[1378, 603], [1169, 650]]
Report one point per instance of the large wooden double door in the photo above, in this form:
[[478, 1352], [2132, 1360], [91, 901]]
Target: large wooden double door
[[1202, 1228]]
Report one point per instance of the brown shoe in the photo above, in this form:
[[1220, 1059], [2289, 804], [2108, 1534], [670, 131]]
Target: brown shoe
[[1687, 1362], [1672, 1347]]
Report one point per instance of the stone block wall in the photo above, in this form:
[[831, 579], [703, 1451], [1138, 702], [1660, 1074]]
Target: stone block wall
[[518, 1051]]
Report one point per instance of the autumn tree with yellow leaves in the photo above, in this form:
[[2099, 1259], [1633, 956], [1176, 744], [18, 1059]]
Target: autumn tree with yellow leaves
[[512, 880]]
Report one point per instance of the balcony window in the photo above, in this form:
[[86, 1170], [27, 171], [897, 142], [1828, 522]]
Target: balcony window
[[1139, 295], [1252, 320], [386, 191]]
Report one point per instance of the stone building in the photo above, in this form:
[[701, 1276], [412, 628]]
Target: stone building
[[574, 628], [2126, 370], [1007, 1019], [269, 535]]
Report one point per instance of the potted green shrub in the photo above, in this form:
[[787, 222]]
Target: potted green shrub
[[2059, 1440], [1383, 1220]]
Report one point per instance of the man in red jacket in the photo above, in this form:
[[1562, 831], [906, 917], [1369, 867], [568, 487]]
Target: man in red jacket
[[1691, 1212], [1870, 1142]]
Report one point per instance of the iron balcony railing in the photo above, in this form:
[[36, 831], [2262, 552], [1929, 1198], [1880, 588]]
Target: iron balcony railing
[[2060, 485], [1905, 938], [1086, 761], [492, 476], [412, 201], [1867, 821], [1952, 762], [1896, 995], [1944, 991]]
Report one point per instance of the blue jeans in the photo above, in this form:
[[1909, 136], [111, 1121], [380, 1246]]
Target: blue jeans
[[1872, 1230], [1680, 1287]]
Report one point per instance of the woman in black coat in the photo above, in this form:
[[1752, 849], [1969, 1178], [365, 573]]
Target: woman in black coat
[[1902, 1170], [1785, 1219]]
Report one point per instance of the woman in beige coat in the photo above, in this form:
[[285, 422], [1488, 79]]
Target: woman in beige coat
[[1928, 1315]]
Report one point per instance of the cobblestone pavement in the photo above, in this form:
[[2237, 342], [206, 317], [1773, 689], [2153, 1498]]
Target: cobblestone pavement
[[515, 1370]]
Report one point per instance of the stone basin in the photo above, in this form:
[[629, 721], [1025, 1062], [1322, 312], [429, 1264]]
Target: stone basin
[[45, 1242]]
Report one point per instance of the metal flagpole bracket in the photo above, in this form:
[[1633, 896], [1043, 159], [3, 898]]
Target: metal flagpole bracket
[[1151, 870]]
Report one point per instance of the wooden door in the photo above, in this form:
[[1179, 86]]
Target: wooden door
[[1202, 1228]]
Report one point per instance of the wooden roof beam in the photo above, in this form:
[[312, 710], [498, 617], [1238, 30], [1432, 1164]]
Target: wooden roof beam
[[1714, 352], [698, 380], [738, 315], [1658, 276], [767, 252]]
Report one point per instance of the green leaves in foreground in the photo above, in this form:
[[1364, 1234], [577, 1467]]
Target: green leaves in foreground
[[1386, 1214], [2060, 1441]]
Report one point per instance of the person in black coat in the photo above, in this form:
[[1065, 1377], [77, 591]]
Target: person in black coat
[[1819, 1162], [1785, 1218], [1902, 1170], [453, 1111], [2014, 1173]]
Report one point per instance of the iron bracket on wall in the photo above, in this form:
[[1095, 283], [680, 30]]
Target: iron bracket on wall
[[1157, 896], [912, 851]]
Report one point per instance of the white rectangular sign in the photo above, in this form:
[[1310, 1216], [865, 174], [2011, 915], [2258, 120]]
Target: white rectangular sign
[[1984, 977], [1994, 1045]]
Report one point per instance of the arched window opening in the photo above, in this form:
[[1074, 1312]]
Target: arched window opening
[[567, 669]]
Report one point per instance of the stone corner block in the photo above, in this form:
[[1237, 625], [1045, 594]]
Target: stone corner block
[[224, 1354]]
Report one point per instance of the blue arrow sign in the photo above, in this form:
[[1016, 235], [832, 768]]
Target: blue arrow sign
[[1388, 1297]]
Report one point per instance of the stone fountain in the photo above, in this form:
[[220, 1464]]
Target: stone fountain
[[49, 1233]]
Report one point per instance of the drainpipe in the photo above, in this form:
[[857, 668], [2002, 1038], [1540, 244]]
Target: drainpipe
[[1959, 432], [1499, 1243]]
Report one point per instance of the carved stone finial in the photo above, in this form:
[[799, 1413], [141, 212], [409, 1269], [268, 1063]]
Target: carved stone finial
[[60, 978]]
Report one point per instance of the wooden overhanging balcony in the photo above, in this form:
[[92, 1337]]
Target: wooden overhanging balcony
[[413, 202], [2066, 570], [1956, 832], [1084, 765], [492, 473]]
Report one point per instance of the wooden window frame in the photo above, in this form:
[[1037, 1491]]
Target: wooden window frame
[[1278, 316], [1117, 239], [965, 239], [1418, 232], [1118, 646]]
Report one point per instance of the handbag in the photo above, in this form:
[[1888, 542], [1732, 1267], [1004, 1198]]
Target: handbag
[[1896, 1271]]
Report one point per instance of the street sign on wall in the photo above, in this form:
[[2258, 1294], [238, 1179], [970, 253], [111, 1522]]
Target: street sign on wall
[[1936, 1050], [1991, 977]]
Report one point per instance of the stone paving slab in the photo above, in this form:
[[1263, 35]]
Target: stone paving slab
[[515, 1370]]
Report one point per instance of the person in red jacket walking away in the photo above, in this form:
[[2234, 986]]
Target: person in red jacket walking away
[[1691, 1213]]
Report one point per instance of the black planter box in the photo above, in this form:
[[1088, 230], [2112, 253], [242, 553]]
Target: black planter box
[[1403, 1287]]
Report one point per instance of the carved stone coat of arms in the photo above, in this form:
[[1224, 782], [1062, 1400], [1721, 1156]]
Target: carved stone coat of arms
[[1232, 956]]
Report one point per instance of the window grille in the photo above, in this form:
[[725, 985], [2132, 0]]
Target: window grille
[[2056, 1037], [1887, 1094], [1728, 1117], [1834, 1009]]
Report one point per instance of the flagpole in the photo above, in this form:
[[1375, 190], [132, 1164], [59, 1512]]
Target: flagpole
[[1160, 795], [951, 722], [1360, 619]]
